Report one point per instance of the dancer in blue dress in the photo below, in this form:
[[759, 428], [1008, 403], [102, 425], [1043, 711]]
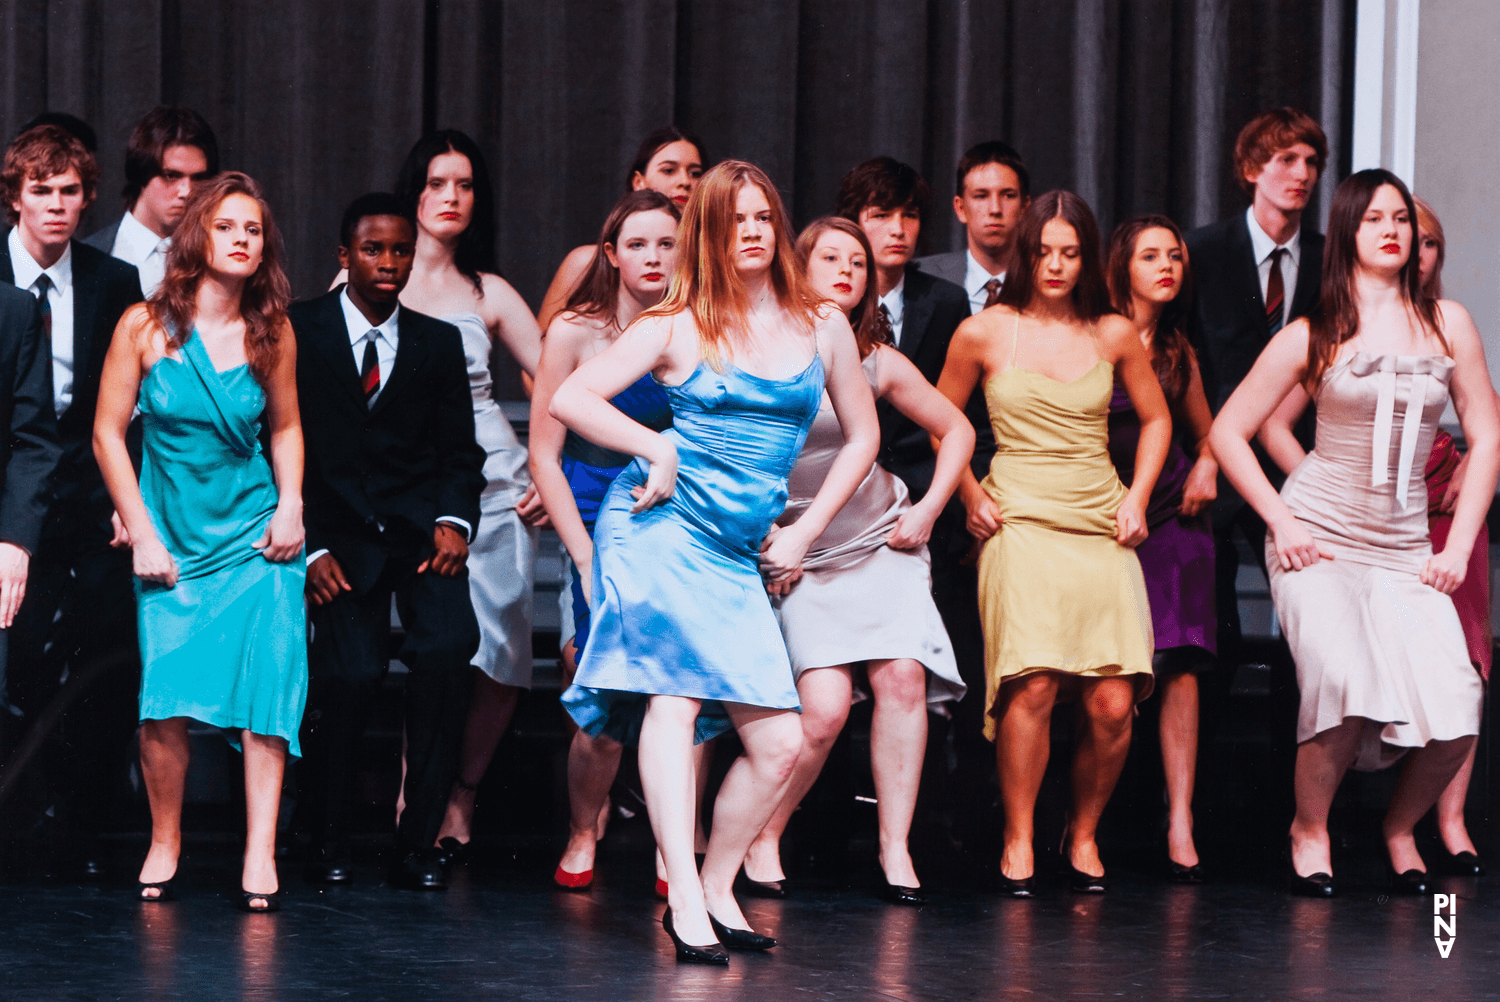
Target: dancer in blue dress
[[632, 264], [217, 537], [683, 638]]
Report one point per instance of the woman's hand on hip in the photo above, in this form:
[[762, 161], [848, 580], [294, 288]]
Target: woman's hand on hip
[[1295, 546], [1446, 571], [661, 481], [152, 563], [284, 535]]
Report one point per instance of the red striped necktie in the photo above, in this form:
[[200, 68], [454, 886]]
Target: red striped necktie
[[1276, 293], [369, 370]]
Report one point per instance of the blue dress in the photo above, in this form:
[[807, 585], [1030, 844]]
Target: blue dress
[[679, 607], [228, 644], [591, 468]]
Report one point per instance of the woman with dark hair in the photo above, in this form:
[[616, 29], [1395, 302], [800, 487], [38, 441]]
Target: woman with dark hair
[[447, 186], [670, 161], [1363, 600], [1151, 285], [683, 643], [1064, 605], [1444, 477], [633, 263], [216, 530], [875, 546]]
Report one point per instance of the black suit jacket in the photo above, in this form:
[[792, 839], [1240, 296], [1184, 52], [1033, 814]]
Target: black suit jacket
[[1227, 325], [29, 450], [402, 463], [103, 289], [932, 310]]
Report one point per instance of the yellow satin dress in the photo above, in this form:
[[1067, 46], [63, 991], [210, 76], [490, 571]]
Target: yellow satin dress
[[1056, 591]]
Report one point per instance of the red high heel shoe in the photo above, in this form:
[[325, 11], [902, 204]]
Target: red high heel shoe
[[573, 881]]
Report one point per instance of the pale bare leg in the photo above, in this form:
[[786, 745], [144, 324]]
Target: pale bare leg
[[1022, 748], [1107, 710], [265, 764], [164, 763], [898, 744]]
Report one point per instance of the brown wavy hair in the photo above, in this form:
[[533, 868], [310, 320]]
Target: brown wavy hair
[[40, 152], [598, 294], [1171, 354], [1091, 293], [1336, 318], [871, 327], [1428, 223], [706, 280], [1271, 131], [265, 296]]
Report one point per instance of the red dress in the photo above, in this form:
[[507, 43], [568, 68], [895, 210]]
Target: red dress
[[1472, 600]]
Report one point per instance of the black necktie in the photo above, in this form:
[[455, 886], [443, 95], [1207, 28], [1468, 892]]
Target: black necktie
[[1275, 294], [369, 370], [43, 286], [991, 292]]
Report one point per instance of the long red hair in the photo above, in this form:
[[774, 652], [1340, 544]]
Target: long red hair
[[706, 280], [266, 294]]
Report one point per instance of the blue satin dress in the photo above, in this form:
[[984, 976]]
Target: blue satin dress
[[228, 644], [591, 468], [679, 607]]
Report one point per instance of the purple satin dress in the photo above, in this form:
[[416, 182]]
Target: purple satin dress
[[1177, 558]]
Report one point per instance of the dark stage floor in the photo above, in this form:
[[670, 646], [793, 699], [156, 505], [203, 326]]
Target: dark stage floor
[[502, 932]]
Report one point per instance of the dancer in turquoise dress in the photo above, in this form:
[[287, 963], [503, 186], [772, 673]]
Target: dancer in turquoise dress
[[683, 638], [217, 539]]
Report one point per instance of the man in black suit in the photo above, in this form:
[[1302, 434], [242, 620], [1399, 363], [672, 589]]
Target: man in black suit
[[993, 189], [78, 616], [392, 485], [1254, 273], [170, 150], [888, 199]]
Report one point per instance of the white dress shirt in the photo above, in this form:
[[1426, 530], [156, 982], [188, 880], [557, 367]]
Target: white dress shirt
[[975, 279], [387, 339], [136, 244], [895, 304], [1263, 246], [60, 299]]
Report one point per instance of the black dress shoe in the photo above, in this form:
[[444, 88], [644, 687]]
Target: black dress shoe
[[1086, 883], [1465, 864], [1412, 883], [759, 888], [1012, 888], [452, 852], [1185, 874], [1318, 885], [740, 939], [418, 870], [687, 953], [897, 894], [329, 866], [164, 889], [248, 899]]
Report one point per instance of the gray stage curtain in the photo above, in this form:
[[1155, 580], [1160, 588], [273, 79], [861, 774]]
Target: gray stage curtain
[[1132, 103]]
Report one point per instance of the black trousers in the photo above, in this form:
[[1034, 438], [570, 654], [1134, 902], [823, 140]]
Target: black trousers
[[348, 659], [77, 627]]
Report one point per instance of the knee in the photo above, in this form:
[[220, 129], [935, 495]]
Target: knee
[[1032, 694], [902, 684], [821, 724], [1111, 707], [777, 754]]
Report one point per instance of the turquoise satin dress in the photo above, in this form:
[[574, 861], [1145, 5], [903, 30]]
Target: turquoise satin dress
[[678, 606], [228, 644]]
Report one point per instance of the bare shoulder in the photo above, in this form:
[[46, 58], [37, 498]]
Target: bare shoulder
[[569, 333], [1117, 334], [653, 329], [983, 327], [579, 257], [139, 329], [499, 291], [1454, 319]]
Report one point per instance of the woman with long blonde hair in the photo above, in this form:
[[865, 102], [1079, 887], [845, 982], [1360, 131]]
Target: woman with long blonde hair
[[683, 641]]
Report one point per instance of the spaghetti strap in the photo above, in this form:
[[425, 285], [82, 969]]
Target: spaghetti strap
[[1015, 340]]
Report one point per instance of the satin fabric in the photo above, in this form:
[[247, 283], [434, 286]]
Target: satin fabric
[[678, 604], [503, 551], [228, 644], [1369, 639], [590, 469], [1056, 591]]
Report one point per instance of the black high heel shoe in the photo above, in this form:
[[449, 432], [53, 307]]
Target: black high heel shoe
[[1317, 885], [1184, 874], [1012, 888], [898, 894], [165, 891], [1464, 864], [740, 939], [1086, 883], [775, 889], [1412, 883], [689, 954], [272, 902]]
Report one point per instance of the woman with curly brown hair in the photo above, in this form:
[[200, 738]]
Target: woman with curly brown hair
[[216, 529]]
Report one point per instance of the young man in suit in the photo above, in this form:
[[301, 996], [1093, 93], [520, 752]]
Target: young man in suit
[[888, 200], [1254, 273], [79, 610], [993, 189], [170, 150], [392, 484]]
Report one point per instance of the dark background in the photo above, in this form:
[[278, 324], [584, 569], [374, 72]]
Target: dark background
[[1132, 103]]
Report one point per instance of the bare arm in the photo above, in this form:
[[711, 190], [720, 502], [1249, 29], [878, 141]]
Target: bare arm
[[963, 369], [1133, 367], [130, 355], [561, 351], [517, 328], [1276, 437], [1202, 485], [1281, 366], [903, 384], [569, 274], [854, 404], [1474, 399], [285, 535]]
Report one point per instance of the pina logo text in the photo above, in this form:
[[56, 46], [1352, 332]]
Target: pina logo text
[[1444, 925]]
